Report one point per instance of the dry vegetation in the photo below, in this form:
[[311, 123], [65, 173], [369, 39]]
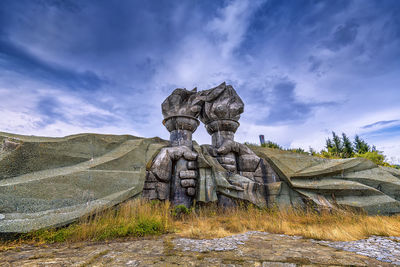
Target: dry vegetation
[[337, 225], [139, 218]]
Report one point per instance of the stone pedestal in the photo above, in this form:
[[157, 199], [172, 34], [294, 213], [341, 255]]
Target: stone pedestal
[[181, 129]]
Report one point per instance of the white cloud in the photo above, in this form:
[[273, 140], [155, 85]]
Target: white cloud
[[21, 114], [231, 25], [208, 51]]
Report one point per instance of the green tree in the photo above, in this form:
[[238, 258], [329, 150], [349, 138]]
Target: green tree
[[348, 150], [337, 148], [328, 144], [360, 146]]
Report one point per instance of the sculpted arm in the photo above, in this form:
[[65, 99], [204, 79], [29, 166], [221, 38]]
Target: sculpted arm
[[158, 176]]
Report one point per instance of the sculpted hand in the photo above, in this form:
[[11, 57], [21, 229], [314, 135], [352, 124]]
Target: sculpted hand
[[247, 159], [162, 163], [160, 171], [189, 177], [232, 146]]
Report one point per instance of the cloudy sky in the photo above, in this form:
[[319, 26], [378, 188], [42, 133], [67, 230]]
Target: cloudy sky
[[302, 68]]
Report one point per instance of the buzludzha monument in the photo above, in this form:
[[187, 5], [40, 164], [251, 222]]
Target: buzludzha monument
[[47, 182]]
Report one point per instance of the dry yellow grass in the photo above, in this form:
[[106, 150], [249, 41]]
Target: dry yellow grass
[[140, 218], [134, 218], [341, 225]]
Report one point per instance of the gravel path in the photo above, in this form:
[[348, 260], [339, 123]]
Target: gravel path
[[216, 244], [385, 249]]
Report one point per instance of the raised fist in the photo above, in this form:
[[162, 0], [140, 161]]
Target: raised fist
[[158, 175], [236, 157]]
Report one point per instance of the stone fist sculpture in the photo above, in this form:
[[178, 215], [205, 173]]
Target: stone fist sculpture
[[246, 162], [220, 103], [173, 173], [182, 103], [220, 114], [160, 171]]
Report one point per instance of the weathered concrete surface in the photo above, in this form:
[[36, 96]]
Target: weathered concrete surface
[[220, 114], [53, 181], [258, 249], [221, 102], [180, 111], [181, 102], [272, 177], [48, 182], [354, 182]]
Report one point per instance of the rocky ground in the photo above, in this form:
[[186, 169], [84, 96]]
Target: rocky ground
[[249, 249]]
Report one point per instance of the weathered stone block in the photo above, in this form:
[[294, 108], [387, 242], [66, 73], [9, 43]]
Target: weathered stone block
[[150, 194], [231, 168], [226, 160], [188, 183], [192, 165], [249, 175], [248, 163], [162, 191], [191, 191], [259, 170], [149, 185], [274, 188], [259, 179], [190, 174], [150, 177]]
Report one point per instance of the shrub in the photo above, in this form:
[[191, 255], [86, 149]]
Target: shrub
[[180, 211], [374, 156], [271, 144], [148, 226]]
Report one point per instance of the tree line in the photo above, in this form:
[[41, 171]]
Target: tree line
[[340, 146]]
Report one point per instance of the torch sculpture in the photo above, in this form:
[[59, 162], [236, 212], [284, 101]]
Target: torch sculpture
[[172, 174], [221, 113]]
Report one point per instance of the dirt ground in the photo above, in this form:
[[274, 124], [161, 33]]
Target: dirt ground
[[257, 250]]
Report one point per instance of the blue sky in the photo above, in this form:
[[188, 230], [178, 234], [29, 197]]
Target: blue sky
[[302, 68]]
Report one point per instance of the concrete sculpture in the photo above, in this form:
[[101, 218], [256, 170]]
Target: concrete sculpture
[[47, 182], [173, 172]]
